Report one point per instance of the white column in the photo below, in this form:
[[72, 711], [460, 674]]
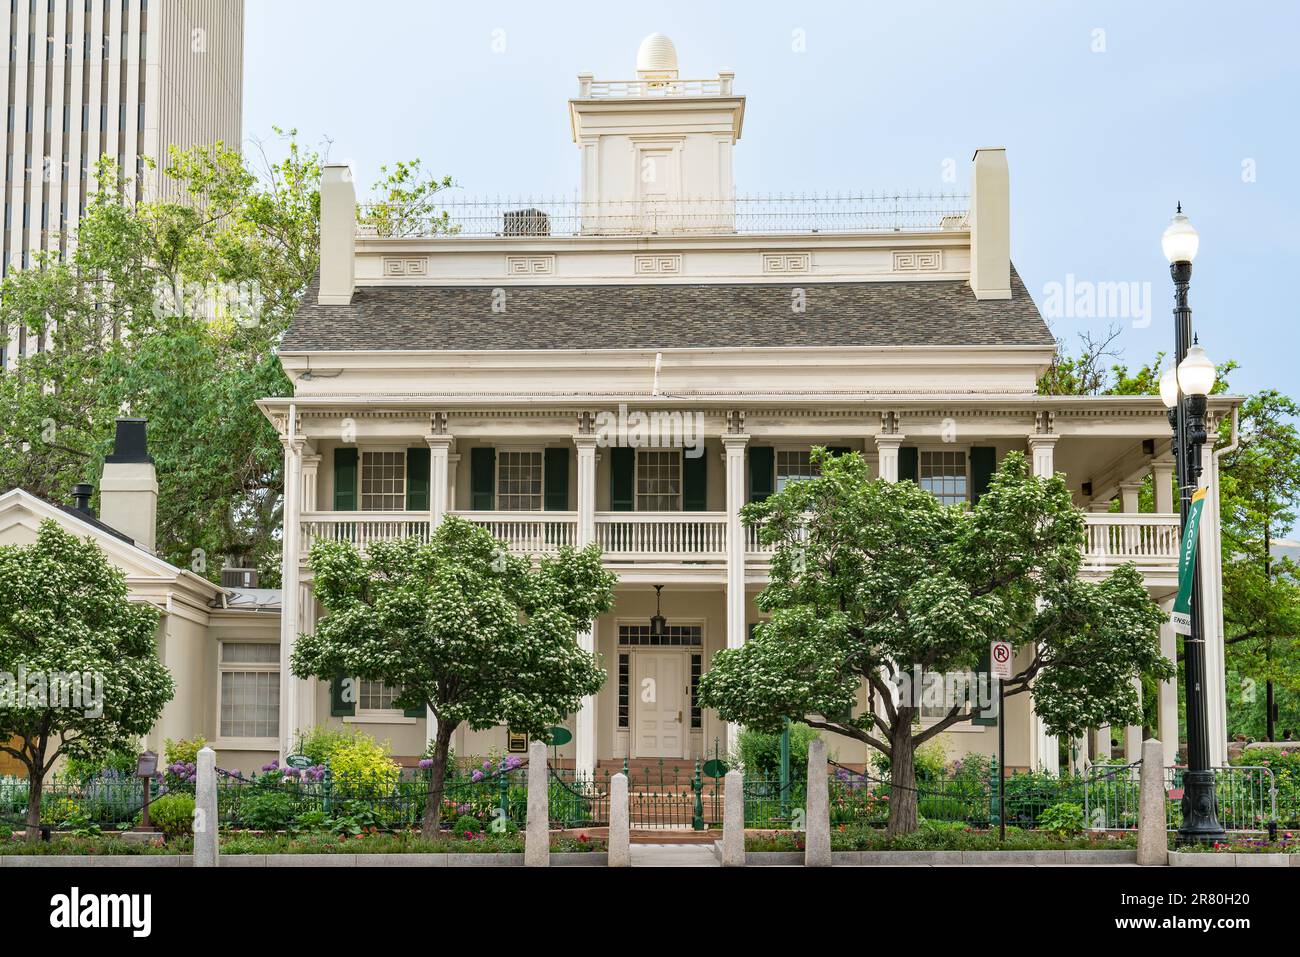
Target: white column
[[290, 578], [1168, 705], [439, 504], [1162, 484], [887, 449], [1044, 749], [1128, 495], [1211, 558], [584, 730], [310, 469], [734, 444]]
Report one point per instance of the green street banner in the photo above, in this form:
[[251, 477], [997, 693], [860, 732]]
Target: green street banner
[[1181, 617]]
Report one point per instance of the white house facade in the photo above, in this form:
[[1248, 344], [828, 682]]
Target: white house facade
[[631, 366]]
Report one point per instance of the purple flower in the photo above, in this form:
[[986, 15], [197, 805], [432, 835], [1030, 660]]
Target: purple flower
[[476, 776], [487, 765], [426, 763]]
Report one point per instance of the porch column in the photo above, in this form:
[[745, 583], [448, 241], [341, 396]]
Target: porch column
[[1168, 694], [1128, 495], [1210, 548], [1044, 748], [887, 449], [440, 444], [734, 444], [295, 695], [584, 726], [1162, 484], [310, 469]]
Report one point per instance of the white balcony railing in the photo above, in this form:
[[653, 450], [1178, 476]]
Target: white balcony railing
[[792, 215], [529, 533], [1149, 540], [685, 536]]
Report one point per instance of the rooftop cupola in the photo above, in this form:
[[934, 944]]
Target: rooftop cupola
[[659, 143]]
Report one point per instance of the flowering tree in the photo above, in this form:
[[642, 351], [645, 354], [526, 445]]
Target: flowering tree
[[874, 583], [463, 628], [79, 671]]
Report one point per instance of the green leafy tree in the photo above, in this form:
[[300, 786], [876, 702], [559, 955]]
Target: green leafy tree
[[64, 611], [1260, 496], [474, 634], [875, 581]]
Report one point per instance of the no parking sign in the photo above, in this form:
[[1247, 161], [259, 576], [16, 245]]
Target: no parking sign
[[1000, 656]]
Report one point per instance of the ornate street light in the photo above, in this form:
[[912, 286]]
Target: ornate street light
[[1183, 389]]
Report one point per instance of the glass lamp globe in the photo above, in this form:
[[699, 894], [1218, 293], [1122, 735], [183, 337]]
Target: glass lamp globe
[[1196, 373], [1180, 240], [1169, 387]]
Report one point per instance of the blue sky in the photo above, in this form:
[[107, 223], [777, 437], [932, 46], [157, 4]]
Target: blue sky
[[1105, 131]]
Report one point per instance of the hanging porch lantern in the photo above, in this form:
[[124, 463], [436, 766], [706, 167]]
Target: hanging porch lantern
[[658, 623]]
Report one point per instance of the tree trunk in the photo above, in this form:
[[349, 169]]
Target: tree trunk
[[437, 781], [35, 784], [902, 778]]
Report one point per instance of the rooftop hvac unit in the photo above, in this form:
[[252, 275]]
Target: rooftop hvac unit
[[526, 222], [239, 577]]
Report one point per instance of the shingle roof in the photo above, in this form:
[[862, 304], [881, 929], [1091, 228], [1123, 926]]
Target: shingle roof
[[666, 316]]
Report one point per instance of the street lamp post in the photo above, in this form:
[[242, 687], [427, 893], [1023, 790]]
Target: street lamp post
[[1184, 388]]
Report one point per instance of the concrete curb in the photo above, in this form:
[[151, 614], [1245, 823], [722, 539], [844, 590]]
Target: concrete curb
[[1231, 859], [947, 858]]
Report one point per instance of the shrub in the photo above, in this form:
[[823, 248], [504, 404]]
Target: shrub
[[1064, 818], [928, 761], [173, 814], [320, 742], [362, 766], [267, 809], [185, 751], [758, 751], [120, 764], [467, 824]]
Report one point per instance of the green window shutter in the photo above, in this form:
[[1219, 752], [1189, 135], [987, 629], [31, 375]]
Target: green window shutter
[[838, 450], [556, 482], [418, 711], [417, 480], [908, 467], [762, 477], [482, 479], [695, 483], [342, 689], [345, 480], [622, 479], [983, 462], [987, 718]]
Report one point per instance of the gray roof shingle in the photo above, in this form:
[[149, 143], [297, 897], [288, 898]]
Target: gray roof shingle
[[666, 316]]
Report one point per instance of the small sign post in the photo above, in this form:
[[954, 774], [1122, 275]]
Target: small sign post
[[1000, 653], [146, 767]]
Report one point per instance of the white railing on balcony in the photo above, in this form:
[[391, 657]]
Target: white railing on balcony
[[361, 528], [592, 89], [1145, 538], [529, 533], [684, 536], [559, 216]]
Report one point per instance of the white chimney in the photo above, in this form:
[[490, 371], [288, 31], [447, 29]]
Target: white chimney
[[338, 231], [128, 491], [990, 225]]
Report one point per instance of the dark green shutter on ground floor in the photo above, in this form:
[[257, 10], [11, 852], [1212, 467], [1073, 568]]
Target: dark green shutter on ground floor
[[622, 479], [556, 482], [908, 463], [989, 717], [339, 706], [345, 480], [417, 480], [983, 462], [419, 711], [482, 479], [695, 483], [762, 472]]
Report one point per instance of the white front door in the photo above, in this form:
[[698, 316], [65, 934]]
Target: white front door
[[660, 704]]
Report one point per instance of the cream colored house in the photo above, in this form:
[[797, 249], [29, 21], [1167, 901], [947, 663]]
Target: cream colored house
[[630, 367], [210, 637]]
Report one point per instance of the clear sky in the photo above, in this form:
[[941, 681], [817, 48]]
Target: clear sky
[[1110, 113]]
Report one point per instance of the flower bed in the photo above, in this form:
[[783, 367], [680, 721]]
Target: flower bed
[[940, 839]]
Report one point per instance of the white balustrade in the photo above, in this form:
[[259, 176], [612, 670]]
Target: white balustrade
[[529, 533], [1145, 538], [646, 535], [362, 528]]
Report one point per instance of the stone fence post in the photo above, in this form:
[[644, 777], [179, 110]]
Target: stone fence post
[[537, 839], [206, 850], [733, 820], [817, 814], [1153, 834], [620, 835]]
